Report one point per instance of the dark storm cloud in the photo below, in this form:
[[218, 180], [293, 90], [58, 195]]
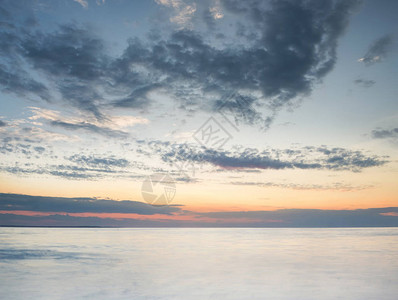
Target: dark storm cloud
[[385, 133], [378, 50], [315, 217], [85, 126], [305, 158], [299, 39], [11, 202], [295, 48], [364, 82]]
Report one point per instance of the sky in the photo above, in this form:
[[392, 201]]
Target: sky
[[199, 113]]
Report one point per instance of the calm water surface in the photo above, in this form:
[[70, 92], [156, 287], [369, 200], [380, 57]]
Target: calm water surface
[[42, 263]]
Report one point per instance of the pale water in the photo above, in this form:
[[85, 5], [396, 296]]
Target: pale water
[[351, 263]]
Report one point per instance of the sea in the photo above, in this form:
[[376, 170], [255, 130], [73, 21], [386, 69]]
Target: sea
[[199, 263]]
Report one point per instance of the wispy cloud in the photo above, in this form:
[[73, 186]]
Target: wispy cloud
[[88, 127], [337, 186], [216, 11], [112, 126], [183, 12], [378, 50], [83, 3], [16, 80], [364, 82]]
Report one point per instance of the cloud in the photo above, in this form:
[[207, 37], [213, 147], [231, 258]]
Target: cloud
[[126, 121], [17, 210], [70, 174], [12, 202], [3, 124], [81, 95], [80, 221], [75, 57], [32, 133], [364, 82], [378, 50], [82, 3], [102, 162], [16, 147], [385, 133], [282, 64], [216, 11], [88, 127], [31, 151], [110, 127], [12, 77], [183, 12], [15, 80], [338, 159], [391, 214], [337, 186], [29, 157], [71, 58], [314, 217], [39, 149], [73, 172]]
